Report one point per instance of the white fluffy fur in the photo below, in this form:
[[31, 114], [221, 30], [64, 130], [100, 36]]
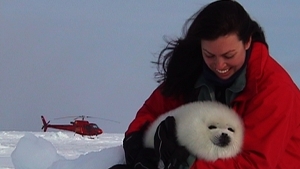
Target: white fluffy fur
[[192, 124]]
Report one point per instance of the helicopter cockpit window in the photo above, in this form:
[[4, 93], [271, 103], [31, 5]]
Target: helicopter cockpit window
[[94, 126]]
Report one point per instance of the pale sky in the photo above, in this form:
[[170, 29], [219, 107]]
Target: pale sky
[[67, 58]]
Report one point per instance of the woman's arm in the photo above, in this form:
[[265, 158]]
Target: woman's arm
[[153, 107]]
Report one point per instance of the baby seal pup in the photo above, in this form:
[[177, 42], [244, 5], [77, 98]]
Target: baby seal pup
[[209, 130]]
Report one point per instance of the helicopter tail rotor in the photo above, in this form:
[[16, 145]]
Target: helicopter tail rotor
[[45, 125]]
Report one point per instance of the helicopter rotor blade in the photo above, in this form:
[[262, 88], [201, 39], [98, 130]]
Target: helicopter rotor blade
[[103, 119], [66, 117], [83, 117]]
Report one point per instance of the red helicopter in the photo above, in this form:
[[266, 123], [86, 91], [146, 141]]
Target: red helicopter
[[79, 126]]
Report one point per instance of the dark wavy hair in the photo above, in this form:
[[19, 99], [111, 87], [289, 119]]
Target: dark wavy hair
[[179, 64]]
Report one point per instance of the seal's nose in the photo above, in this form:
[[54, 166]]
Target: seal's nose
[[224, 140]]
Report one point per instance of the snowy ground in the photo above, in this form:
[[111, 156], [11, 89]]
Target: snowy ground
[[58, 150]]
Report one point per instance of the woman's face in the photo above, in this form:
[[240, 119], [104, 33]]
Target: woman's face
[[225, 55]]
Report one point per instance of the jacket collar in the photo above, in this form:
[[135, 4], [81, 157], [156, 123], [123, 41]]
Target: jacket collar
[[258, 57], [237, 86]]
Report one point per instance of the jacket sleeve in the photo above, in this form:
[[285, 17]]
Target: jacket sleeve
[[154, 106], [271, 137]]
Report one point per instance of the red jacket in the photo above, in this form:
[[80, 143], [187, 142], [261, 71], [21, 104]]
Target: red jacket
[[270, 108]]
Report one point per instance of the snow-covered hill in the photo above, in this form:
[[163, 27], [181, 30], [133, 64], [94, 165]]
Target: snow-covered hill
[[59, 150]]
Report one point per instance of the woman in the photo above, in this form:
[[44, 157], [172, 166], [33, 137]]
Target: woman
[[224, 57]]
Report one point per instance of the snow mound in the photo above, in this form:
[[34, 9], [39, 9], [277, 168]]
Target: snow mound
[[37, 153]]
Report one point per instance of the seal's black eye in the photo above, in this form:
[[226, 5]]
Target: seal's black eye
[[231, 129], [212, 127]]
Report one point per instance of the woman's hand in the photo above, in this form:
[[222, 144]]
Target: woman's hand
[[136, 155], [166, 146]]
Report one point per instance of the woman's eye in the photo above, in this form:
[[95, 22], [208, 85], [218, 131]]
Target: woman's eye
[[229, 56], [209, 56]]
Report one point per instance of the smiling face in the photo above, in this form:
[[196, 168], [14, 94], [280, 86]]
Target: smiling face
[[225, 55]]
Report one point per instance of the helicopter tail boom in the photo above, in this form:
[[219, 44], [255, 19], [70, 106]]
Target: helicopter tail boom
[[45, 125]]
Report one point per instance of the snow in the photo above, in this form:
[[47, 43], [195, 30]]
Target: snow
[[59, 150]]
